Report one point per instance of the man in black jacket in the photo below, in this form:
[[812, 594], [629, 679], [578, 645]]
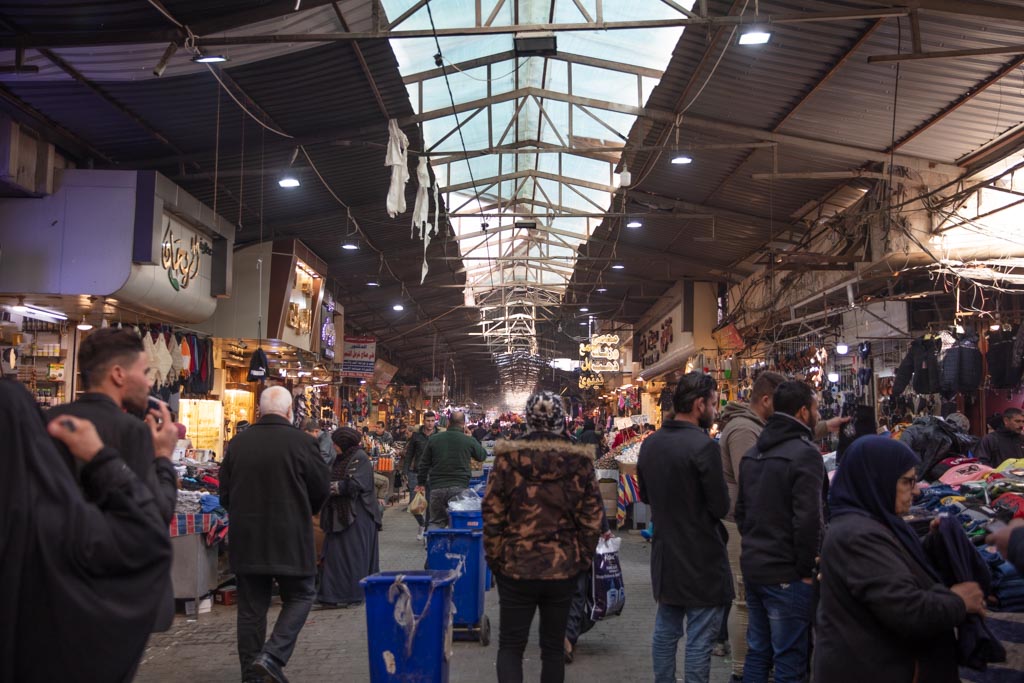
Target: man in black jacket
[[114, 366], [680, 477], [779, 515], [411, 463], [1005, 443], [272, 482]]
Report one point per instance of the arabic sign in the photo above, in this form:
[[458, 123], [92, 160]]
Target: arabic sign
[[434, 387], [590, 375], [728, 339], [358, 356], [179, 259]]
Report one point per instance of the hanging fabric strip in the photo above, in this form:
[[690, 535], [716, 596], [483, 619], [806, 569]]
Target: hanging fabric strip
[[398, 159]]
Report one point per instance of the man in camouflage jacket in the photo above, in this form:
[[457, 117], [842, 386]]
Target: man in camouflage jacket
[[542, 521]]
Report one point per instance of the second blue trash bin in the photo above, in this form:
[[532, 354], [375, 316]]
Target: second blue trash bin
[[408, 625], [471, 519], [449, 549]]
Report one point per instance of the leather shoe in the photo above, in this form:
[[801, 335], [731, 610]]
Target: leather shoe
[[265, 666]]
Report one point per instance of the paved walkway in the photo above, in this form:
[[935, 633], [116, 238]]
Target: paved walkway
[[332, 646]]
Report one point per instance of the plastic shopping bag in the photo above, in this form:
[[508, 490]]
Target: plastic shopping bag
[[607, 591], [418, 505]]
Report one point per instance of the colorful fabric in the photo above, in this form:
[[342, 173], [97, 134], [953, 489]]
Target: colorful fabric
[[965, 473], [629, 493], [187, 524]]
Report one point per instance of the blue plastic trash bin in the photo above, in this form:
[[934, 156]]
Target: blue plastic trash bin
[[453, 549], [394, 600], [471, 519]]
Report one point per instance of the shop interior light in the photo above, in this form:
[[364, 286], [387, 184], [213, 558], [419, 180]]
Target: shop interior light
[[84, 326], [20, 307], [755, 36], [682, 159], [995, 327], [398, 307], [841, 349], [618, 266], [35, 311], [833, 377], [634, 223], [209, 59], [289, 180]]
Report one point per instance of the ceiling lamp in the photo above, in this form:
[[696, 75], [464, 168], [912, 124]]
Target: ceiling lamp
[[618, 266], [602, 290], [371, 283], [535, 43], [289, 180], [209, 59], [682, 159], [584, 310], [841, 349], [398, 307], [350, 245], [634, 223], [833, 377], [754, 36], [84, 326]]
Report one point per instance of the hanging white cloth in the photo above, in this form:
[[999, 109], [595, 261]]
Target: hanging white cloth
[[421, 209], [398, 159]]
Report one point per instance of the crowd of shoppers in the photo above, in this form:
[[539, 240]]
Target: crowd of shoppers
[[89, 489]]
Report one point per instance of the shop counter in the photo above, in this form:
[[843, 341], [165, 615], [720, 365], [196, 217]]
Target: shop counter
[[194, 565]]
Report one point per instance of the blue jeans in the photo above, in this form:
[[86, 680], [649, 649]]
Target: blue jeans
[[701, 626], [778, 631]]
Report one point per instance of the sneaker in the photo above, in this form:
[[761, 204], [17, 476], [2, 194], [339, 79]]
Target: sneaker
[[721, 649], [419, 534]]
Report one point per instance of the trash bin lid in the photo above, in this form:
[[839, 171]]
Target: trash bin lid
[[416, 576]]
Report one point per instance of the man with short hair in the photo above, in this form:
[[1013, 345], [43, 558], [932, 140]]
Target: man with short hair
[[1005, 443], [313, 428], [680, 477], [114, 368], [480, 433], [272, 481], [411, 462], [382, 435], [782, 486], [445, 464]]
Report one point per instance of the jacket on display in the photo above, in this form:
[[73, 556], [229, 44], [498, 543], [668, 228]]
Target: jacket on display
[[1003, 371], [680, 475], [962, 366], [543, 510], [740, 428], [920, 364], [779, 509], [881, 616], [272, 482], [933, 440], [84, 562]]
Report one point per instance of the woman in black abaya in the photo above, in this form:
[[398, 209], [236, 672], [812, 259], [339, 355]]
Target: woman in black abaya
[[80, 581], [350, 520]]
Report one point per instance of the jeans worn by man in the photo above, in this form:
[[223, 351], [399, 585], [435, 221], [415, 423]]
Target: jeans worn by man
[[778, 631], [701, 625], [437, 512], [254, 591], [680, 476]]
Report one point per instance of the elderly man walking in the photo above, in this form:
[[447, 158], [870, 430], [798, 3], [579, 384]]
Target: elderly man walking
[[272, 482]]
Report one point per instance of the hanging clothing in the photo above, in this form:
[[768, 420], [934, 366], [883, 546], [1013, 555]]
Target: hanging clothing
[[920, 364], [397, 158], [962, 366], [1003, 372]]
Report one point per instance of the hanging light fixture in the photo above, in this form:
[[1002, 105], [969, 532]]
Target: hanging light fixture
[[350, 245], [842, 349], [288, 180], [84, 326], [372, 283], [601, 290], [200, 58], [398, 307], [754, 36], [618, 266], [634, 223]]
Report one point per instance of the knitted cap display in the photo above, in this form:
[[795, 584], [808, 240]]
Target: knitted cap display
[[544, 412]]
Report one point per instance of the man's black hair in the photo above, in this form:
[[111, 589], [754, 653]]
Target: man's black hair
[[692, 386], [791, 396], [104, 348]]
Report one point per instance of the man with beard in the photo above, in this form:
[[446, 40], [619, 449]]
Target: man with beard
[[1006, 442], [779, 515], [114, 366], [411, 462], [680, 477]]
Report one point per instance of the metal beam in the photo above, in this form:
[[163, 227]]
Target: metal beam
[[821, 175], [948, 54], [531, 173], [511, 55]]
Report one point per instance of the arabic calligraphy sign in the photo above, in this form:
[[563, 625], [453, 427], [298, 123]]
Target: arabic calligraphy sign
[[358, 356], [181, 261]]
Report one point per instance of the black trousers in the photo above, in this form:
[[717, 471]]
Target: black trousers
[[297, 593], [519, 600]]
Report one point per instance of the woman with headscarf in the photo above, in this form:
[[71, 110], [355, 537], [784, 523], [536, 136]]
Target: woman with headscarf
[[884, 614], [542, 520], [350, 520], [83, 568]]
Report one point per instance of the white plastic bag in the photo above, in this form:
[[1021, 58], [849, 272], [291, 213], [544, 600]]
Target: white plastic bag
[[465, 501]]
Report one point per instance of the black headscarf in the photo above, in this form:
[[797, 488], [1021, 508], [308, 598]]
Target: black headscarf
[[346, 437], [84, 577], [866, 483]]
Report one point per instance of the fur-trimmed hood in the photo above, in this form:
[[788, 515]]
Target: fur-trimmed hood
[[544, 458]]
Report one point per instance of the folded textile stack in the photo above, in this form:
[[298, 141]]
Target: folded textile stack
[[189, 502]]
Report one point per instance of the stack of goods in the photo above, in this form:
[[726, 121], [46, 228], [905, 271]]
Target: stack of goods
[[978, 495], [200, 476]]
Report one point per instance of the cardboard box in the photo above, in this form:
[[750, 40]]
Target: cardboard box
[[627, 468]]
